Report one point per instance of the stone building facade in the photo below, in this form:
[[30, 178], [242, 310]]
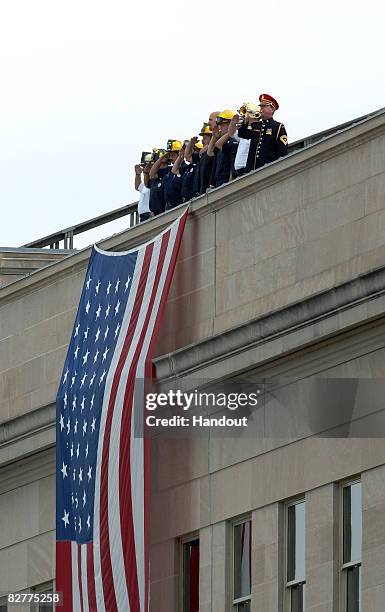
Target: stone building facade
[[281, 274]]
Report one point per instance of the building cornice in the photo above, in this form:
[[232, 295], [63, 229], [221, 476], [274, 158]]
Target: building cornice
[[327, 304]]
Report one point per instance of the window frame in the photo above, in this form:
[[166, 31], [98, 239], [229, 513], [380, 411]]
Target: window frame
[[182, 542], [4, 602], [344, 568], [290, 584], [235, 601]]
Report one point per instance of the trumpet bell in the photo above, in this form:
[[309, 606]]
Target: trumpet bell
[[248, 108]]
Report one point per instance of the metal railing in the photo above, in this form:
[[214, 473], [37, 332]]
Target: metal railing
[[67, 235], [131, 210]]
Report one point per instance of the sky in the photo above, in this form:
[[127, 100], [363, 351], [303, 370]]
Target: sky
[[87, 85]]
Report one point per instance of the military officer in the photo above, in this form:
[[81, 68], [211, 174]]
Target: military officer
[[268, 138]]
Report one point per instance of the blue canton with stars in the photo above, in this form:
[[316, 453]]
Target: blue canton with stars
[[80, 395]]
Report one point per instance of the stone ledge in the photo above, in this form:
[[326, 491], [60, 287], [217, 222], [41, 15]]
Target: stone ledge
[[277, 323]]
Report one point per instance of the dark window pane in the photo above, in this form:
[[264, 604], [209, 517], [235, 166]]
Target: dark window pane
[[352, 524], [3, 607], [191, 576], [353, 594], [245, 606], [242, 560], [296, 542], [297, 598]]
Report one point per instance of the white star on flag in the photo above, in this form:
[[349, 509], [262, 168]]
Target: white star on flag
[[64, 470], [98, 312], [83, 380], [65, 518], [89, 279], [88, 307]]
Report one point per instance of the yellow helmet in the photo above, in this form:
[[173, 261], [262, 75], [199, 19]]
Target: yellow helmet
[[206, 130], [174, 145], [225, 115], [199, 145], [157, 153]]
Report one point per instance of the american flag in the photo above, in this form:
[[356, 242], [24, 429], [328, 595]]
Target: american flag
[[102, 466]]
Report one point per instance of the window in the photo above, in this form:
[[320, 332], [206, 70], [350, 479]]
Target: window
[[242, 566], [351, 546], [295, 558], [190, 575], [3, 604], [46, 587]]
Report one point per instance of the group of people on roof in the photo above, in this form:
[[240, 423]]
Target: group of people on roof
[[231, 145]]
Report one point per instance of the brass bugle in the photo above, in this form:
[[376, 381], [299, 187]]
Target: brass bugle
[[249, 109]]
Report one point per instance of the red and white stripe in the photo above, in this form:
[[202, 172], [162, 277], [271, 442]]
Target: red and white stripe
[[112, 573]]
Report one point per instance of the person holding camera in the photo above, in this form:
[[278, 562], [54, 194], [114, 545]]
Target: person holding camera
[[173, 180], [158, 173], [194, 151], [224, 146], [268, 138], [141, 185]]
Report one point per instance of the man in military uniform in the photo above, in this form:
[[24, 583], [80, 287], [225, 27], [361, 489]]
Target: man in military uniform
[[268, 138]]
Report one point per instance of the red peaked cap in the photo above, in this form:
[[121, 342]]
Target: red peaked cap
[[266, 99]]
